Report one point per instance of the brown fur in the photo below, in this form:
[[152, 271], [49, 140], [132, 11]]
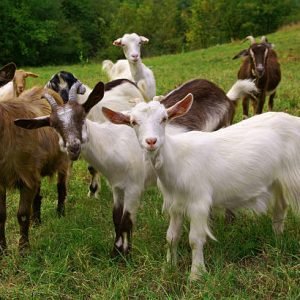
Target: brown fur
[[209, 101], [27, 155], [268, 82]]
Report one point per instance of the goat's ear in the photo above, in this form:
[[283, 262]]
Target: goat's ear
[[118, 42], [242, 53], [144, 40], [116, 117], [7, 73], [181, 107], [33, 123], [30, 74], [95, 96]]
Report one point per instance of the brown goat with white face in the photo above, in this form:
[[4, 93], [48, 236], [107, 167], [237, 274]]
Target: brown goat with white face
[[261, 65], [26, 157]]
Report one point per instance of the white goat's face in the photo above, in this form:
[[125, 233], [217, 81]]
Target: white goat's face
[[131, 44], [149, 122]]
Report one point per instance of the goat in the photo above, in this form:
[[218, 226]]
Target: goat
[[120, 94], [26, 157], [197, 170], [261, 65], [7, 73], [15, 87], [123, 167], [133, 174], [132, 67]]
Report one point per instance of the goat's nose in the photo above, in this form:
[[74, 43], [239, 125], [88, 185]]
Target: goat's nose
[[151, 141], [135, 56]]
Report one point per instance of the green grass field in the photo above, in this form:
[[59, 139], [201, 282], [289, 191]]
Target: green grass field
[[70, 256]]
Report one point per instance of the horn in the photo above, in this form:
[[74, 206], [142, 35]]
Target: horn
[[264, 39], [250, 38], [51, 101], [77, 88]]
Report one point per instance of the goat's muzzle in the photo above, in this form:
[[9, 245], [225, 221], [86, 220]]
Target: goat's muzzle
[[74, 151], [260, 70]]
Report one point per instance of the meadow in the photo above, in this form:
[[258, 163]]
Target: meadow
[[70, 256]]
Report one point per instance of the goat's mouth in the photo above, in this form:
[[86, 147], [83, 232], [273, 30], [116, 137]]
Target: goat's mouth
[[73, 153]]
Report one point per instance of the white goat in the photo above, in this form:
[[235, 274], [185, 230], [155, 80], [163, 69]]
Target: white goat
[[243, 165], [15, 87], [113, 150], [132, 68], [120, 95]]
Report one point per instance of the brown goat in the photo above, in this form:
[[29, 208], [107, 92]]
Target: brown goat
[[20, 80], [26, 157], [261, 65], [7, 73]]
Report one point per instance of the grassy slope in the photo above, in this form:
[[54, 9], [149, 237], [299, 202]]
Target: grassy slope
[[69, 258]]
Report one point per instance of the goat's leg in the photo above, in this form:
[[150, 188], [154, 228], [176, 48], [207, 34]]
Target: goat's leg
[[95, 185], [245, 104], [131, 204], [36, 207], [118, 208], [271, 101], [279, 210], [261, 103], [26, 198], [173, 236], [62, 178], [2, 219], [197, 237]]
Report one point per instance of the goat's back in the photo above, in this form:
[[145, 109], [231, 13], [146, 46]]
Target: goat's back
[[211, 108]]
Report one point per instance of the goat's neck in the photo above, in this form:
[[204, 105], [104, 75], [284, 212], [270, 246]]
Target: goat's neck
[[164, 161], [136, 70]]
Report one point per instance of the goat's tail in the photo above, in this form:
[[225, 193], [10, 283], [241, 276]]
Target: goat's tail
[[242, 88], [107, 66]]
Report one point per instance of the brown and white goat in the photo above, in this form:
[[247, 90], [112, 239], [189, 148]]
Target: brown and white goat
[[15, 87], [26, 157], [260, 64], [7, 73]]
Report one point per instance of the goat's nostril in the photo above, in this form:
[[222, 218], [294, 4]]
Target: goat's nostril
[[151, 141]]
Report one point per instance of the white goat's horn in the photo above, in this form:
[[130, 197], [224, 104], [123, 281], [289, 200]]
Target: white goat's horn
[[264, 39], [250, 38], [51, 101], [77, 88]]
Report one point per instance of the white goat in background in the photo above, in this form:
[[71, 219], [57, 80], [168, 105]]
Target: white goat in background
[[132, 67], [244, 165]]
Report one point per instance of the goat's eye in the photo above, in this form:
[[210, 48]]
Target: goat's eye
[[134, 123], [164, 119]]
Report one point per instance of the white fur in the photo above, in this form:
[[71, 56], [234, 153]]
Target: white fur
[[7, 91], [243, 165], [132, 68]]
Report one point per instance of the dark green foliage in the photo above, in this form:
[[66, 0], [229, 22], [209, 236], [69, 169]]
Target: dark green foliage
[[44, 32]]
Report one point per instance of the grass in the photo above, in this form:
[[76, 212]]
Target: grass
[[70, 257]]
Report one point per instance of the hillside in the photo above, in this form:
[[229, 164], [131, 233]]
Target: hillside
[[70, 257]]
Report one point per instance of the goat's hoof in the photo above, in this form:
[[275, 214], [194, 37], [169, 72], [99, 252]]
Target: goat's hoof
[[24, 247], [93, 192], [61, 212], [229, 216], [36, 221], [278, 228]]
